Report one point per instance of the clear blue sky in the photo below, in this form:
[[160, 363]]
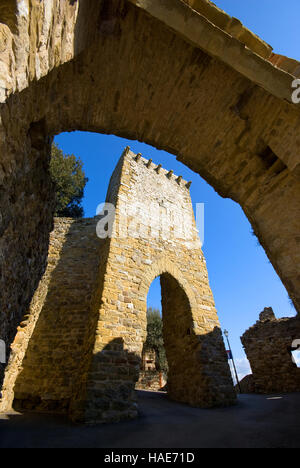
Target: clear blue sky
[[242, 279], [276, 21]]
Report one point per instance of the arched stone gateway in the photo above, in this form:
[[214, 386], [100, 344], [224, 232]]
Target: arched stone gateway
[[79, 350], [189, 354], [178, 74]]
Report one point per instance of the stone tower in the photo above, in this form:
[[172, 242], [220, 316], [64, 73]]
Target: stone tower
[[78, 349]]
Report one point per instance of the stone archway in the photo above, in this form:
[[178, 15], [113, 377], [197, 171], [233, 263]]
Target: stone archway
[[189, 354], [185, 349], [165, 266], [79, 352], [179, 313], [186, 379], [183, 82]]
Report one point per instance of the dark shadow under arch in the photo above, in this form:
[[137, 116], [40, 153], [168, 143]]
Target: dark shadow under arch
[[190, 356], [179, 337], [8, 12]]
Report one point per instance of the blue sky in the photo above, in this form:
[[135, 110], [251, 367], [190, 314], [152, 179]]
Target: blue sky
[[277, 22], [242, 279]]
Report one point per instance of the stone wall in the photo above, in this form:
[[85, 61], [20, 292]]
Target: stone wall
[[87, 323], [268, 347], [57, 321]]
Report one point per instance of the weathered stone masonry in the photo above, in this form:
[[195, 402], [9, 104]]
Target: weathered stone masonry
[[79, 350], [178, 74], [268, 346], [58, 317], [150, 378]]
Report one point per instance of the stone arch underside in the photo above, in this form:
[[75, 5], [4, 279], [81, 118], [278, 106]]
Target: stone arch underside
[[134, 77], [8, 11], [191, 355], [161, 267], [187, 380]]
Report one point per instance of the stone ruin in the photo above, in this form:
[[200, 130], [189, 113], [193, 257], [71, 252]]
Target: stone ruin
[[268, 345], [78, 349]]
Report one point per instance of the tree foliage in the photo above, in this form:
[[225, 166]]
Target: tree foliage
[[69, 178], [155, 337]]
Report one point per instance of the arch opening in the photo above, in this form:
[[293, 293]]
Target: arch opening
[[187, 355], [167, 357], [179, 340], [181, 343]]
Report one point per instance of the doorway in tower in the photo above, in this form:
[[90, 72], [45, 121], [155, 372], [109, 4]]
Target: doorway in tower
[[168, 348], [154, 365]]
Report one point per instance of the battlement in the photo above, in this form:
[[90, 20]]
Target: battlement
[[148, 163]]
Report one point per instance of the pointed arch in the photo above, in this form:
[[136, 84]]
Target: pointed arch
[[159, 267]]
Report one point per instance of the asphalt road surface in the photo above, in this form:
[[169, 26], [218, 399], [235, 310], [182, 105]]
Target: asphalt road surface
[[256, 421]]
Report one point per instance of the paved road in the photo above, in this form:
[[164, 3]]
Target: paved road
[[256, 421]]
